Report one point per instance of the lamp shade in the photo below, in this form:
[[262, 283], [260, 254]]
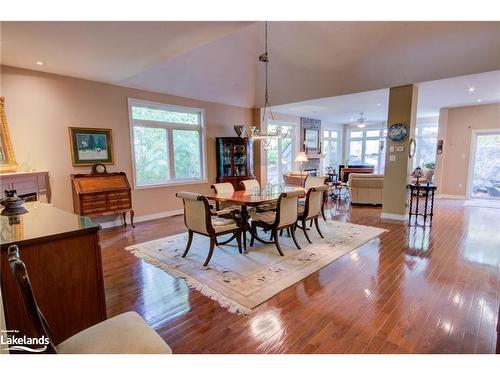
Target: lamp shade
[[301, 157]]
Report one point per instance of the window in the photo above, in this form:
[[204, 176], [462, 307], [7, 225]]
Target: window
[[426, 141], [367, 147], [332, 148], [280, 153], [168, 144]]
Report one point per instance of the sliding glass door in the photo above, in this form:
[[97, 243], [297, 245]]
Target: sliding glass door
[[484, 168]]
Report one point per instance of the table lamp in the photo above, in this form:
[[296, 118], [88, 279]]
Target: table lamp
[[417, 173], [301, 158]]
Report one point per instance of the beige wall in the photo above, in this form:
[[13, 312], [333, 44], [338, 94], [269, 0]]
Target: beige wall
[[40, 107], [452, 166]]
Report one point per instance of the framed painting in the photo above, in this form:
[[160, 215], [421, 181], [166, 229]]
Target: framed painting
[[311, 138], [90, 146], [7, 159]]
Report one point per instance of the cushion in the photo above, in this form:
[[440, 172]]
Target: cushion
[[267, 217], [221, 224], [126, 333]]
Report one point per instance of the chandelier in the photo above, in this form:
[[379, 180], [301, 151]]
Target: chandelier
[[255, 133]]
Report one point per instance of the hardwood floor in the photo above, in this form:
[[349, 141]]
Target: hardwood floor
[[413, 290]]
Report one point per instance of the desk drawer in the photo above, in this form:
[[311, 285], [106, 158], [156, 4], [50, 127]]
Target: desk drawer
[[92, 197], [118, 194]]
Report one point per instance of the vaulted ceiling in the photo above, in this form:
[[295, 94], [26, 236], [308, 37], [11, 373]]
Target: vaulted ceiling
[[217, 61]]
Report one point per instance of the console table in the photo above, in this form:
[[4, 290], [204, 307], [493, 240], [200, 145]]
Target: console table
[[425, 192]]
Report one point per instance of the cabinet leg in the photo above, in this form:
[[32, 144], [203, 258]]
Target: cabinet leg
[[124, 216], [132, 213]]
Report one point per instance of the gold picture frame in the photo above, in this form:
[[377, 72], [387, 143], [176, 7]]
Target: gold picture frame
[[90, 146], [7, 158]]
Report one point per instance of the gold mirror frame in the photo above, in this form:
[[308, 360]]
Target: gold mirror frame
[[8, 161]]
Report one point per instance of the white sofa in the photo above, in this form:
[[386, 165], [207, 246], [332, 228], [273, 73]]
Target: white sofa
[[366, 188]]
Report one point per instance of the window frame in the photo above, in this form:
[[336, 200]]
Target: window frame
[[419, 137], [295, 128], [169, 127], [363, 139], [339, 141]]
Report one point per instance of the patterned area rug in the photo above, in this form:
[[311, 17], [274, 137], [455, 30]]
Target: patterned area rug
[[240, 282]]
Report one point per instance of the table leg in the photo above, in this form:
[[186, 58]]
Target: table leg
[[432, 205], [244, 226], [411, 206], [425, 208]]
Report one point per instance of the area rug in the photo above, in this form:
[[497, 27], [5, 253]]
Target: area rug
[[240, 282]]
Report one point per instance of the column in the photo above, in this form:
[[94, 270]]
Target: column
[[402, 109]]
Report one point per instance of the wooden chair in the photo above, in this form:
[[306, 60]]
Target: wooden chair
[[222, 208], [197, 219], [252, 184], [312, 209], [285, 217], [126, 333], [316, 181]]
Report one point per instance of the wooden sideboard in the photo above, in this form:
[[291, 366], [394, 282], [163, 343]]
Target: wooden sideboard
[[31, 185], [63, 258], [102, 194]]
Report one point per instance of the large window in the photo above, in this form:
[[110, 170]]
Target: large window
[[280, 153], [366, 146], [167, 144], [426, 141], [332, 149]]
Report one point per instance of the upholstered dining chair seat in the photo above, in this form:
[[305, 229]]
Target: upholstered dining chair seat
[[221, 224], [126, 333], [267, 217]]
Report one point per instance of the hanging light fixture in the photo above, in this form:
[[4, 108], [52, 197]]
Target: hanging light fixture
[[255, 133], [361, 123]]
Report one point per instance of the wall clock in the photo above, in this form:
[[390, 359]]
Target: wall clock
[[397, 132]]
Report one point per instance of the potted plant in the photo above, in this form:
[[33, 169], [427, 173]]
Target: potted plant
[[429, 168]]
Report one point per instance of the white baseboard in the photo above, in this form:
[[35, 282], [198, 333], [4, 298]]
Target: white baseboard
[[118, 220], [387, 215], [450, 196]]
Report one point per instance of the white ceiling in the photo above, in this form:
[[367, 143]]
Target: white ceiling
[[217, 61], [432, 95]]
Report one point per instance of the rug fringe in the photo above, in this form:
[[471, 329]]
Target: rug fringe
[[228, 304]]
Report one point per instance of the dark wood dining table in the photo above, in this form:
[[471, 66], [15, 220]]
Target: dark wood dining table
[[247, 199]]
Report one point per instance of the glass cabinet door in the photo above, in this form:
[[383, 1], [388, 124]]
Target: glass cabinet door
[[225, 159], [240, 159]]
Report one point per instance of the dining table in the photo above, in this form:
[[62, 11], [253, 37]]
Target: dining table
[[246, 199]]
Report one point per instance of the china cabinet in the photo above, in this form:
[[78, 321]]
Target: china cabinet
[[234, 160]]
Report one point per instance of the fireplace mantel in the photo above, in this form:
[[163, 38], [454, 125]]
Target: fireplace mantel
[[34, 183]]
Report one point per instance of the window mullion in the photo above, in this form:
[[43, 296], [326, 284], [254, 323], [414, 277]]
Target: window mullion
[[170, 150]]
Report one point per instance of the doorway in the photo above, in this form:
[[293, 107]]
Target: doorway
[[484, 166]]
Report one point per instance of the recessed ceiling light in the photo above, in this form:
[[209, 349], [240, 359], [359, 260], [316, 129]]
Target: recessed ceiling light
[[479, 100], [351, 119], [379, 104], [472, 90], [39, 63]]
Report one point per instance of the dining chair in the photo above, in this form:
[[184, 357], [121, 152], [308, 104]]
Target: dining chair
[[197, 219], [126, 333], [312, 209], [250, 186], [285, 217], [316, 181], [222, 208]]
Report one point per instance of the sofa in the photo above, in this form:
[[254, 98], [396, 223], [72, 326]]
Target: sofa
[[366, 188], [294, 178]]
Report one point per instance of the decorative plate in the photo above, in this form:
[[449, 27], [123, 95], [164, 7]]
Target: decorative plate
[[397, 132]]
